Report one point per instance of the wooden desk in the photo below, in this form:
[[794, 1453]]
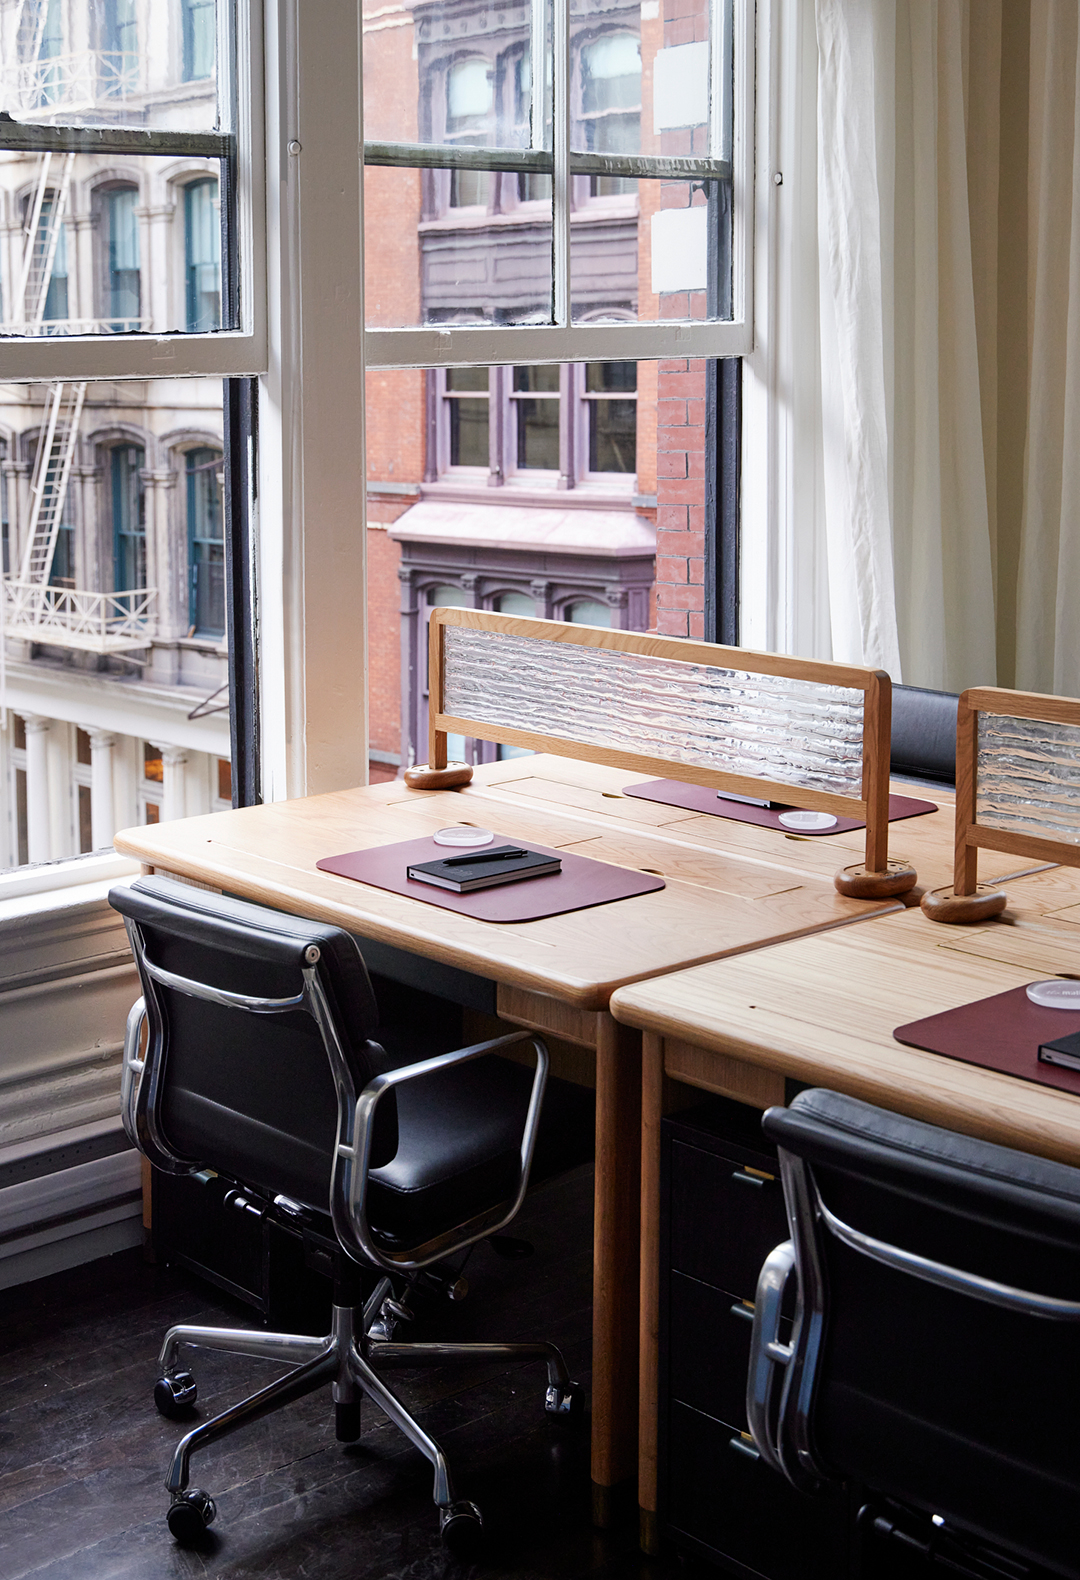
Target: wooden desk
[[554, 976], [821, 1010], [589, 790]]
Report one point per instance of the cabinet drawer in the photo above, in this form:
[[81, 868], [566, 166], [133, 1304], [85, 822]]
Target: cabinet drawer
[[736, 1506], [725, 1218], [709, 1348]]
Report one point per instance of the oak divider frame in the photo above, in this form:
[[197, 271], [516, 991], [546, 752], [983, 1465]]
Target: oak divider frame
[[966, 902], [876, 878]]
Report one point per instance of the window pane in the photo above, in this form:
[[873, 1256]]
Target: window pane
[[97, 208], [538, 434], [661, 250], [467, 379], [114, 604], [613, 436], [588, 612], [516, 603], [468, 432], [537, 378], [206, 542], [441, 76], [109, 62], [452, 247], [202, 254]]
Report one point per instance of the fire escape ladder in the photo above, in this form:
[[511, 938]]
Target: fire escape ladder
[[52, 469]]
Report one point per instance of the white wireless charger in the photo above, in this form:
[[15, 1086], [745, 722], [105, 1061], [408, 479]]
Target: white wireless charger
[[805, 820], [1055, 995], [464, 835]]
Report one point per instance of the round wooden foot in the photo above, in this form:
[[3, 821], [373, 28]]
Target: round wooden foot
[[942, 905], [421, 777], [858, 883]]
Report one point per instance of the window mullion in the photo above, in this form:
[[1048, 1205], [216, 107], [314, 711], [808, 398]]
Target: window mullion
[[560, 195]]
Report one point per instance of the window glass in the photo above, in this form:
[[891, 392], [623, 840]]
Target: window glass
[[129, 517], [611, 104], [588, 612], [206, 542], [537, 420], [224, 779], [467, 411], [612, 418], [202, 255], [122, 286], [90, 63], [82, 748], [200, 41], [153, 768]]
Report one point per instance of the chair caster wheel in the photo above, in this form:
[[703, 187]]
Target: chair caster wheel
[[190, 1514], [175, 1395], [461, 1527], [568, 1402], [347, 1422]]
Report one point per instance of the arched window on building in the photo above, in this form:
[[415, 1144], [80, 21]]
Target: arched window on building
[[123, 297], [128, 516], [206, 542], [199, 23], [202, 255], [470, 105], [587, 611], [610, 69]]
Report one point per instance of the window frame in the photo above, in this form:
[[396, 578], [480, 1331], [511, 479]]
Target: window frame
[[441, 346], [222, 353]]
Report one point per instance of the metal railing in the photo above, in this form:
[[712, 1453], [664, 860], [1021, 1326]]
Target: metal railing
[[69, 82], [96, 622]]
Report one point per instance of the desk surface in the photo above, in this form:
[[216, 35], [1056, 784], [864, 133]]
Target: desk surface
[[716, 902], [822, 1010], [588, 790]]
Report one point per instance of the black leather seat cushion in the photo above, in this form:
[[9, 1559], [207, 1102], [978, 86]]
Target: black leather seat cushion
[[924, 734]]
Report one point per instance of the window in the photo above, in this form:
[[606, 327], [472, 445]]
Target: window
[[206, 542], [122, 286], [202, 255], [128, 517], [534, 445], [648, 226], [119, 47], [199, 23], [610, 68]]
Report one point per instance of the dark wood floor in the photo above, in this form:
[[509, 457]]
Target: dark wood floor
[[83, 1452]]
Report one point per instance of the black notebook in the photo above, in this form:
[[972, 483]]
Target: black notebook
[[1064, 1051], [485, 869]]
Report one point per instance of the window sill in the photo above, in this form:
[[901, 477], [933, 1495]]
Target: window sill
[[56, 885], [583, 497]]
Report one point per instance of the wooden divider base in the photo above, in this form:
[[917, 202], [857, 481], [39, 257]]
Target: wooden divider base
[[421, 777], [859, 883], [945, 905]]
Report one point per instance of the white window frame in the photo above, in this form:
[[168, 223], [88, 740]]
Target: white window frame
[[563, 340], [223, 353]]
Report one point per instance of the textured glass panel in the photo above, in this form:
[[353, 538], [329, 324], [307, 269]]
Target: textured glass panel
[[793, 731], [1029, 777]]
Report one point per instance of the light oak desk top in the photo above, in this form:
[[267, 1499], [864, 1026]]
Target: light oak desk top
[[554, 975], [821, 1010], [589, 790]]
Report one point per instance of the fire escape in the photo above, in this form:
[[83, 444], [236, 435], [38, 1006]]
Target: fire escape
[[33, 609]]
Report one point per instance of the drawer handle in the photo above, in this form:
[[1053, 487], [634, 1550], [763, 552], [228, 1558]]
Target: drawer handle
[[750, 1179], [747, 1450], [740, 1310]]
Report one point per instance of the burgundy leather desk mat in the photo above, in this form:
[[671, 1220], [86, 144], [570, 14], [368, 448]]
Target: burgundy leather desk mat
[[699, 798], [1000, 1033], [581, 883]]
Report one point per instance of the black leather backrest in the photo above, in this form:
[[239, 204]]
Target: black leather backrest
[[252, 1095], [934, 1397], [924, 733]]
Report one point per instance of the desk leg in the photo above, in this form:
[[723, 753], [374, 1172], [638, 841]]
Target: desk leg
[[615, 1263], [652, 1109]]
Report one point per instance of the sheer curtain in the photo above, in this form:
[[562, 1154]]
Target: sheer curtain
[[908, 525], [1048, 590]]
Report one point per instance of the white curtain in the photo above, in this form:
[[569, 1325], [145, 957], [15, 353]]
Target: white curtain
[[907, 525], [1048, 594]]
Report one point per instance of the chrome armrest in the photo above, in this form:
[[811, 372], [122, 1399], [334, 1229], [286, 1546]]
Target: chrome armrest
[[767, 1353], [132, 1069], [353, 1157]]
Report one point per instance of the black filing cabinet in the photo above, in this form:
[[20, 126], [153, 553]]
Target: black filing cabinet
[[722, 1212]]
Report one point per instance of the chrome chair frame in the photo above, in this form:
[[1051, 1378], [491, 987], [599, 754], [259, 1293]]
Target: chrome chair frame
[[348, 1357], [782, 1428]]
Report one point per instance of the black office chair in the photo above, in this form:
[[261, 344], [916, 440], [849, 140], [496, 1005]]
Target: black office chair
[[935, 1355], [923, 744], [260, 1064]]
